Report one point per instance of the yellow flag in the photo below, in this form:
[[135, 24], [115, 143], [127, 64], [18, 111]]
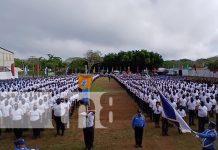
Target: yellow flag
[[85, 81]]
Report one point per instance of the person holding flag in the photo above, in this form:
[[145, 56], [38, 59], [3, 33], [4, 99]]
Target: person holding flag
[[208, 137], [171, 114]]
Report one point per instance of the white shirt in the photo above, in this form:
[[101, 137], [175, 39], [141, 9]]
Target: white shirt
[[59, 110], [216, 108], [88, 120], [183, 102], [202, 111], [25, 107], [209, 106], [191, 105], [6, 111], [41, 108], [181, 113], [157, 111], [173, 104], [35, 115], [213, 101], [17, 114]]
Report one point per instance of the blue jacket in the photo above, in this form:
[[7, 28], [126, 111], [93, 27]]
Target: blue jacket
[[21, 148], [138, 121], [208, 139]]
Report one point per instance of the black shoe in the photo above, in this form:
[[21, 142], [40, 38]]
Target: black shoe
[[136, 146], [140, 146]]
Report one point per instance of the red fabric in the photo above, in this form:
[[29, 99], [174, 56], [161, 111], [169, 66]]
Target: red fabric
[[37, 70], [12, 69]]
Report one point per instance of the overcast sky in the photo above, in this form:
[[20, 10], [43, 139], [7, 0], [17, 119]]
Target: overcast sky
[[67, 28]]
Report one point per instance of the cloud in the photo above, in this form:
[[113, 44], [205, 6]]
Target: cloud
[[68, 28]]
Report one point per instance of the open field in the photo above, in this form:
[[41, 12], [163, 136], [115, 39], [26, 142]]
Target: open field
[[117, 136]]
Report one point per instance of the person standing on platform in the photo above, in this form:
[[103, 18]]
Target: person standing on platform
[[138, 124]]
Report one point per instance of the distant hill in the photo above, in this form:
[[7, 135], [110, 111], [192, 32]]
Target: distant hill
[[199, 63]]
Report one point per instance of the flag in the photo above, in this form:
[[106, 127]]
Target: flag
[[46, 71], [12, 69], [26, 70], [94, 70], [86, 69], [85, 81], [67, 69], [37, 69], [85, 96], [173, 115]]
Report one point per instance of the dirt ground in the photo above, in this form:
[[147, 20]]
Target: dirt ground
[[117, 136]]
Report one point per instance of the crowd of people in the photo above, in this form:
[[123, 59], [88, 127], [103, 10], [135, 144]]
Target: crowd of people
[[33, 103], [197, 101]]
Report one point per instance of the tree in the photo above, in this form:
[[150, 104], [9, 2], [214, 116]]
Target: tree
[[213, 66], [92, 58], [137, 60], [56, 64], [77, 65]]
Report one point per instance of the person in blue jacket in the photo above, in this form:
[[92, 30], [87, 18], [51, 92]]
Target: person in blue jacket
[[138, 124], [208, 137], [20, 144]]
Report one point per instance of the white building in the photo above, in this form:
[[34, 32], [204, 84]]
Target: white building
[[6, 59]]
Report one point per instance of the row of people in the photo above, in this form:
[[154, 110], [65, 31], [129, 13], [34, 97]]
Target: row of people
[[19, 109], [196, 99]]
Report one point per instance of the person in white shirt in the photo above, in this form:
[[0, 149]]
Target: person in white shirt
[[173, 103], [202, 117], [183, 102], [182, 113], [25, 107], [59, 111], [209, 106], [165, 124], [216, 110], [6, 111], [213, 101], [0, 122], [157, 113], [35, 119], [191, 108], [88, 128], [17, 116]]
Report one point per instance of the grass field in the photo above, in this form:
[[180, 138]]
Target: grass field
[[117, 136]]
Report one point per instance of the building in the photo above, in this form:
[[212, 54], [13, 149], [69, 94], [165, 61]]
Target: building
[[6, 60]]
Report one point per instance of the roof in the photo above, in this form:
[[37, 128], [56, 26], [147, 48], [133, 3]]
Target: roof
[[6, 50]]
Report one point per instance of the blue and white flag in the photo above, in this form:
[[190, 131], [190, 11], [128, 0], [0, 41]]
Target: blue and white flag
[[173, 115], [67, 69], [46, 71], [26, 70]]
